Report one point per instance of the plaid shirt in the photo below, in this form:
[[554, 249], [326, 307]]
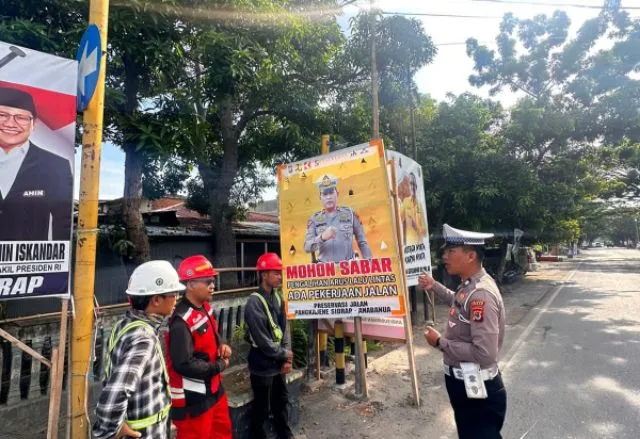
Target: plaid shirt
[[135, 388]]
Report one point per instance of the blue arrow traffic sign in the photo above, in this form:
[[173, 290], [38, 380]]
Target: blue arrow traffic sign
[[89, 57]]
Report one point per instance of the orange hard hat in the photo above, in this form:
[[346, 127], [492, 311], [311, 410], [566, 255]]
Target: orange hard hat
[[195, 267], [269, 261]]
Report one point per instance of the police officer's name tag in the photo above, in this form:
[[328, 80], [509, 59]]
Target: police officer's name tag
[[473, 382]]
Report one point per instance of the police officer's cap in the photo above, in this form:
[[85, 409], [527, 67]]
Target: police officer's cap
[[457, 238], [11, 97], [327, 182]]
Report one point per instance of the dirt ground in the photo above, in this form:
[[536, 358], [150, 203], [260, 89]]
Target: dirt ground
[[390, 411]]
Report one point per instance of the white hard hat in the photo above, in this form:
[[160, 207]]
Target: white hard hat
[[154, 277]]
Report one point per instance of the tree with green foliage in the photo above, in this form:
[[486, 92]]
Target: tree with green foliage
[[141, 61], [463, 170], [612, 222], [402, 48], [474, 176], [165, 176], [248, 93], [623, 228], [576, 98], [50, 26], [223, 87], [258, 93], [552, 128]]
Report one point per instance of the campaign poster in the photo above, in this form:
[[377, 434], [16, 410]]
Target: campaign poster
[[413, 216], [338, 236], [37, 134]]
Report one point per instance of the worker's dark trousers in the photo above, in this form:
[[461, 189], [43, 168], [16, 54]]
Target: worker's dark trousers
[[270, 398], [478, 418]]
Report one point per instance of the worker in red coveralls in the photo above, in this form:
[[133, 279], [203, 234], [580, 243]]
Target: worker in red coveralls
[[196, 358]]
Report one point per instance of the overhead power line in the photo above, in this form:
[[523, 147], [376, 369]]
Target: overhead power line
[[557, 5], [458, 43], [504, 2], [428, 14]]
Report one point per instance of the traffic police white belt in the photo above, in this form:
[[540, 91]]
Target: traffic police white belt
[[456, 372]]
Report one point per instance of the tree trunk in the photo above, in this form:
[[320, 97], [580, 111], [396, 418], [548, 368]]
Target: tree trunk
[[218, 180], [132, 202], [439, 220], [223, 238]]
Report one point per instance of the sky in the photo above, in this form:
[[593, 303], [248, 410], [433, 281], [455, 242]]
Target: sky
[[449, 71]]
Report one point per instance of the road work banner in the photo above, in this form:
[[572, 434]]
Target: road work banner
[[37, 139], [338, 236], [413, 216]]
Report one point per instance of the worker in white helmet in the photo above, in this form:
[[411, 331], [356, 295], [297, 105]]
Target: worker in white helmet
[[136, 398]]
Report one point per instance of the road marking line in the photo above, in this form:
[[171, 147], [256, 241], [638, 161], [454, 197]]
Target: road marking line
[[526, 433], [516, 346]]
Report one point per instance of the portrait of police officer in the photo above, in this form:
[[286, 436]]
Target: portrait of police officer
[[36, 186], [473, 337], [412, 215], [330, 232]]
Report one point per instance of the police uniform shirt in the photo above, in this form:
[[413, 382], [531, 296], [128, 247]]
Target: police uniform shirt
[[340, 248], [475, 327]]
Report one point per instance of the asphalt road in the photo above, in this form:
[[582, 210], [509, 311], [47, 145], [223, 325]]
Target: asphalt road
[[572, 369]]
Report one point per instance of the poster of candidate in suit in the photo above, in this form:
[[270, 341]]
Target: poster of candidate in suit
[[37, 138]]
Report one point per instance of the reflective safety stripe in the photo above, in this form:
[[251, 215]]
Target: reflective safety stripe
[[113, 340], [187, 314], [197, 386], [199, 323], [177, 393], [141, 424], [277, 332]]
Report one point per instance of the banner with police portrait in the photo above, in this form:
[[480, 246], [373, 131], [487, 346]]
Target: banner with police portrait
[[413, 216], [338, 236], [37, 134]]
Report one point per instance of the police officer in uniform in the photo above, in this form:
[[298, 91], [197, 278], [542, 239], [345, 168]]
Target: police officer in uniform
[[330, 231], [36, 186], [472, 339]]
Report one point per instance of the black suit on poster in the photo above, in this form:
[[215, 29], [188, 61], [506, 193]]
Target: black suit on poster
[[43, 187]]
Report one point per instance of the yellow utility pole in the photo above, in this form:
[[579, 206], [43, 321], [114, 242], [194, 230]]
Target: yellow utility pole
[[87, 228], [374, 73], [317, 337], [324, 145]]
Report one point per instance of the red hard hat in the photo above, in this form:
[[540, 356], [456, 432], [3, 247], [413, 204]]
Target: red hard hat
[[195, 267], [269, 261]]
